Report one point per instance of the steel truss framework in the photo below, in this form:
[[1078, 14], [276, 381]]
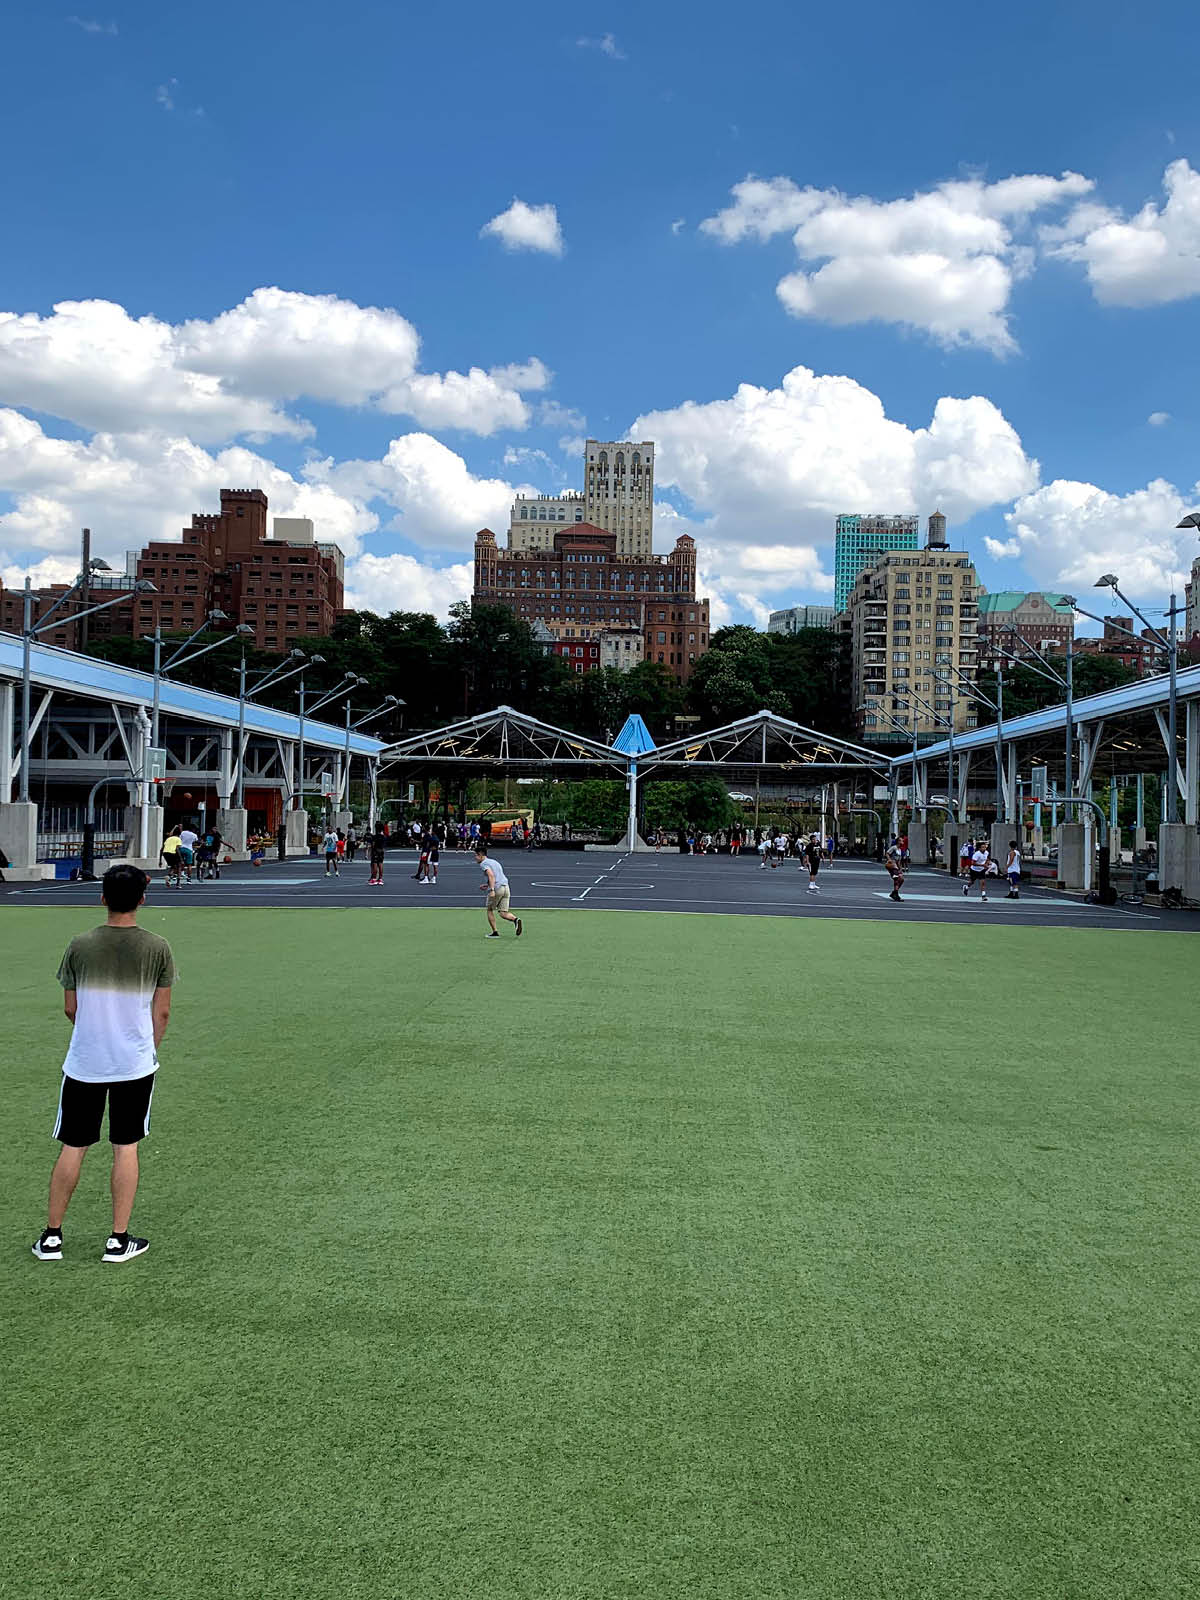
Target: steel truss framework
[[502, 738], [765, 742]]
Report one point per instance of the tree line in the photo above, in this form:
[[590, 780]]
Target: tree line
[[487, 656]]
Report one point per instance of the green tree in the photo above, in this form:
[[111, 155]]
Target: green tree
[[495, 660], [673, 804], [811, 670], [654, 694], [597, 805], [734, 678], [1026, 690]]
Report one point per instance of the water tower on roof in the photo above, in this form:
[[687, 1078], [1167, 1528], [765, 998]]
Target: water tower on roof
[[937, 533]]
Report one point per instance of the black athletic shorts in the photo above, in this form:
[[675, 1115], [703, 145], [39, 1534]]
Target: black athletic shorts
[[81, 1110]]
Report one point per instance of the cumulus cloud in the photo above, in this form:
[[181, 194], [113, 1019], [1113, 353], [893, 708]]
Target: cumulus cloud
[[1066, 534], [164, 95], [402, 583], [93, 364], [942, 261], [767, 471], [1157, 419], [1148, 259], [524, 227], [131, 488], [438, 502], [91, 25], [605, 44]]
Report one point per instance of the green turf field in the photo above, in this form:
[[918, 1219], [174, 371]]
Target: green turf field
[[705, 1257]]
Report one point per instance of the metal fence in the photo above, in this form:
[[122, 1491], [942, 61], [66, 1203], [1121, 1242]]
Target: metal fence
[[60, 832]]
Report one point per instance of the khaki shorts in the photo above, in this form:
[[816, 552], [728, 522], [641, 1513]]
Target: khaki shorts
[[498, 901]]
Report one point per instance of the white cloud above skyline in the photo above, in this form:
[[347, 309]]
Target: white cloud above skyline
[[525, 227], [92, 364], [942, 261], [1149, 259], [1066, 534]]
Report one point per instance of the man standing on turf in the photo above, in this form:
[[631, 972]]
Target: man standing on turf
[[496, 885], [117, 995]]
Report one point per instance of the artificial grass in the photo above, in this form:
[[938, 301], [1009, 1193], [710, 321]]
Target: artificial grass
[[648, 1256]]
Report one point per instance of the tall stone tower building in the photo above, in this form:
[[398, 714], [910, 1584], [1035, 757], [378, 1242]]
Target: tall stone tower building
[[618, 493]]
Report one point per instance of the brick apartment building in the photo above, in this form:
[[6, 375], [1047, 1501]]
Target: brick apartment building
[[285, 587], [585, 594]]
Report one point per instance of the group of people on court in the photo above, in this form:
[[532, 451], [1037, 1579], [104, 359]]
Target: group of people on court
[[184, 849], [977, 864]]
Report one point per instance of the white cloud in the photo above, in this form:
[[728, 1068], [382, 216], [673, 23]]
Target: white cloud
[[1156, 419], [402, 583], [1067, 533], [134, 487], [942, 261], [678, 225], [524, 227], [93, 364], [605, 44], [572, 444], [439, 502], [90, 25], [1148, 259], [164, 95], [787, 460], [552, 415], [523, 456]]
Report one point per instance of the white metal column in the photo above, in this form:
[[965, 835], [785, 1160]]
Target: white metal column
[[1191, 764], [225, 770], [8, 765]]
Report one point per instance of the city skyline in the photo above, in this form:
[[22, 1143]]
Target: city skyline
[[397, 313]]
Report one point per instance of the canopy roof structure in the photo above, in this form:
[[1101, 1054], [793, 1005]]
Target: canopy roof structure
[[766, 743], [634, 738], [64, 672], [502, 738]]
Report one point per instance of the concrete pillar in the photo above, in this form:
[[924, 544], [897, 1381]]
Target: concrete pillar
[[1139, 838], [18, 840], [1191, 764], [1002, 835], [297, 833], [232, 822], [342, 820], [133, 836], [1072, 856], [918, 841], [1035, 844], [1179, 858], [953, 835]]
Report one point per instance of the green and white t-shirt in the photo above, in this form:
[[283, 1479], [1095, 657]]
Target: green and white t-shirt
[[114, 973]]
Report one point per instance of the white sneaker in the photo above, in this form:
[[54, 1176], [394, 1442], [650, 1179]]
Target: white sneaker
[[983, 895]]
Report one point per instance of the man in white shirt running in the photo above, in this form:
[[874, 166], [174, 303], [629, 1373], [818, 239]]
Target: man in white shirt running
[[188, 840], [980, 857], [496, 884]]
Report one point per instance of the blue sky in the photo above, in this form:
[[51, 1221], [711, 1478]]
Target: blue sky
[[996, 349]]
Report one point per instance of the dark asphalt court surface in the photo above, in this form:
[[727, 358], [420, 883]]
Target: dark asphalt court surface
[[593, 880]]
